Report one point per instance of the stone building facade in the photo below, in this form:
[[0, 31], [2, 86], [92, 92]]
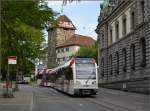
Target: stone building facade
[[124, 45], [58, 35]]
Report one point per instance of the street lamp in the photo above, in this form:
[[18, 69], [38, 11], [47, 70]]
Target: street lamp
[[36, 66]]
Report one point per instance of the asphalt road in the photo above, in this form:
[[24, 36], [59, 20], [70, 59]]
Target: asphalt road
[[48, 99]]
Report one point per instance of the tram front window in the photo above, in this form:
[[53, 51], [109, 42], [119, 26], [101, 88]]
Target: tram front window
[[85, 71]]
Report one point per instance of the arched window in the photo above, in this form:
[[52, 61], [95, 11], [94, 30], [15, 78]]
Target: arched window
[[102, 67], [124, 25], [117, 30], [111, 36], [110, 64], [142, 10], [132, 20], [133, 56], [102, 40], [117, 62], [124, 53], [143, 52]]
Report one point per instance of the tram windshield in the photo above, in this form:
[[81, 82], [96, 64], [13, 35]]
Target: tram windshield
[[85, 69]]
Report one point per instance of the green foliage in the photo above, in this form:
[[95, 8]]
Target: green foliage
[[50, 66], [22, 25], [91, 51]]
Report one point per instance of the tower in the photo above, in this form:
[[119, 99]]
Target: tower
[[58, 35]]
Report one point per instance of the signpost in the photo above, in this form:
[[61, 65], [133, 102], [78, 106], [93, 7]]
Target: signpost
[[11, 60]]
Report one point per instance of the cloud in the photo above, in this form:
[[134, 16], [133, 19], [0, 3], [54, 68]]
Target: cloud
[[52, 3]]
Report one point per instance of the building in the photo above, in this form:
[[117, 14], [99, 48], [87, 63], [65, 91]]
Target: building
[[57, 35], [71, 46], [124, 45], [63, 42]]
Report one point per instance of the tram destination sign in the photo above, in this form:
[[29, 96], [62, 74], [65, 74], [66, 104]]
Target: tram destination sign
[[12, 60], [84, 60]]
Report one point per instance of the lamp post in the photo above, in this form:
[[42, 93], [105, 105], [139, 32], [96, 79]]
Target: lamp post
[[36, 66]]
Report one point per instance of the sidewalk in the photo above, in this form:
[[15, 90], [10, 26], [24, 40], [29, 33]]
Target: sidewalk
[[22, 101]]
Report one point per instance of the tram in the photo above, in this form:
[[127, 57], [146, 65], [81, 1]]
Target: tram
[[78, 76]]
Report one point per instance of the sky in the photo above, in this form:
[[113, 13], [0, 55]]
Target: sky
[[83, 14]]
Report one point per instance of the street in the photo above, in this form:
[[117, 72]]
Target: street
[[47, 99]]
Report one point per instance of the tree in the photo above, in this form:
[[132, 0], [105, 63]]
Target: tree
[[91, 51], [22, 24]]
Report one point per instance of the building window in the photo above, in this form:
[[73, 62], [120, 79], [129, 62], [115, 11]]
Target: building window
[[117, 62], [124, 53], [111, 36], [117, 30], [124, 25], [58, 50], [133, 56], [132, 21], [102, 67], [67, 49], [142, 10], [110, 64], [143, 52], [62, 50], [102, 41]]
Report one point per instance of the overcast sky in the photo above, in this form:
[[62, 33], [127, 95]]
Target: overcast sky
[[83, 14]]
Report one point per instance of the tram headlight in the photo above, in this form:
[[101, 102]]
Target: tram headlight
[[78, 83]]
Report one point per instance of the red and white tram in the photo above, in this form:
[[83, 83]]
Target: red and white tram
[[76, 77]]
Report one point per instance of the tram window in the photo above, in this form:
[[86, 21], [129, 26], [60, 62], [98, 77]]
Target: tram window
[[68, 74], [85, 71]]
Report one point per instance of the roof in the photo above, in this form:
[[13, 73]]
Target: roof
[[63, 18], [79, 40], [65, 22]]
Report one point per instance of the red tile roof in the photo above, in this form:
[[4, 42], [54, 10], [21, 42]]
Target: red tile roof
[[63, 18], [65, 22], [78, 40]]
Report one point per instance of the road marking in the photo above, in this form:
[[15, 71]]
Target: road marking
[[31, 104]]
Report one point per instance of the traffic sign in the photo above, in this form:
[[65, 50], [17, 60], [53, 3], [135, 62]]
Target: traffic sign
[[12, 60]]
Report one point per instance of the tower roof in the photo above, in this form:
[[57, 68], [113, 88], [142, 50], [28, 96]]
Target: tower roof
[[65, 22], [63, 18]]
